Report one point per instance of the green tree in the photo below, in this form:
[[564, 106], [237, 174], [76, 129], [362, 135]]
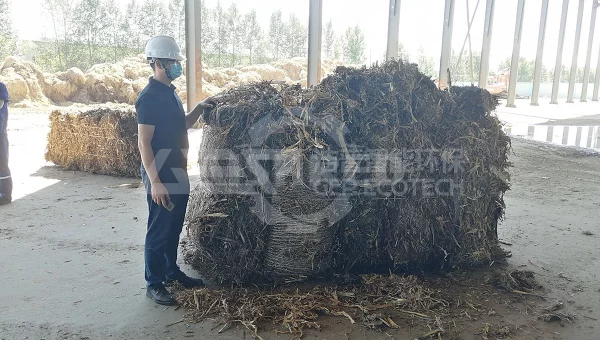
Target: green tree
[[153, 20], [7, 36], [579, 75], [235, 31], [460, 67], [116, 37], [354, 45], [91, 23], [338, 49], [176, 20], [403, 53], [222, 32], [592, 76], [262, 48], [296, 35], [544, 74], [276, 33], [130, 25], [564, 74], [526, 69], [61, 14], [329, 40], [254, 33], [426, 63], [207, 22]]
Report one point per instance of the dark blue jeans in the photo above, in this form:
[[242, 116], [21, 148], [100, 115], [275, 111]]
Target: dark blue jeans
[[162, 235], [5, 178]]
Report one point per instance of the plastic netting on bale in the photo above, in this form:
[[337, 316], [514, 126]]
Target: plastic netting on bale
[[99, 141], [301, 221], [233, 239], [374, 169]]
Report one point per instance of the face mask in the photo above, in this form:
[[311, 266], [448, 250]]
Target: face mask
[[175, 71]]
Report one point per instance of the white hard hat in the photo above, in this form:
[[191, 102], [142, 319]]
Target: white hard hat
[[163, 47]]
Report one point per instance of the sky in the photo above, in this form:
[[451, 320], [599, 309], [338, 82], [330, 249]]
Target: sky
[[420, 24]]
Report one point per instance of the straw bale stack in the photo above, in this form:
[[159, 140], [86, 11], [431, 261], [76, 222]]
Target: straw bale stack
[[274, 225], [100, 141]]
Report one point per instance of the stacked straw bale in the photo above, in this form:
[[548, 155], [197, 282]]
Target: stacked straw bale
[[24, 80], [284, 229], [120, 82], [100, 141]]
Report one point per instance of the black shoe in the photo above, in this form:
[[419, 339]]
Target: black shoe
[[5, 199], [185, 281], [160, 295]]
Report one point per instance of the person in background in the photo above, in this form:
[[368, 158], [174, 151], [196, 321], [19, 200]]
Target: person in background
[[163, 144], [5, 177]]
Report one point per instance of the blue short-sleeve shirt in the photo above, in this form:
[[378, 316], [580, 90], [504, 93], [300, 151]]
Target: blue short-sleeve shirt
[[158, 104], [4, 110]]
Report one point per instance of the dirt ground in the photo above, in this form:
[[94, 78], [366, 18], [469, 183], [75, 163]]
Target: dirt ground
[[71, 250]]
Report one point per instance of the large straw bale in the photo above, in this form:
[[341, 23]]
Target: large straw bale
[[267, 72], [74, 76], [82, 96], [216, 77], [390, 112], [139, 84], [134, 70], [24, 80], [100, 141], [121, 82], [231, 71], [16, 85], [105, 87], [247, 78], [292, 67], [58, 90], [208, 75]]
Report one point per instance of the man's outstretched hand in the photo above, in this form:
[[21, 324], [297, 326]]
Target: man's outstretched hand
[[200, 111], [208, 103], [207, 106]]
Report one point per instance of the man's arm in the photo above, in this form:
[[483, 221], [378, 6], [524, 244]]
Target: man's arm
[[159, 193], [192, 117], [3, 95]]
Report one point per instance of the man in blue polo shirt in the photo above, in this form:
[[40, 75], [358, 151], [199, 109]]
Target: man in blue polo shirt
[[5, 178], [163, 144]]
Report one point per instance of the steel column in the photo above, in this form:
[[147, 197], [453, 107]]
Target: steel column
[[189, 51], [193, 51], [315, 30], [573, 72], [514, 64], [393, 37], [588, 57], [540, 54], [198, 49], [597, 80], [559, 52], [446, 44], [487, 40]]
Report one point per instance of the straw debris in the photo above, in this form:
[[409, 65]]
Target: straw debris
[[375, 302], [514, 281]]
